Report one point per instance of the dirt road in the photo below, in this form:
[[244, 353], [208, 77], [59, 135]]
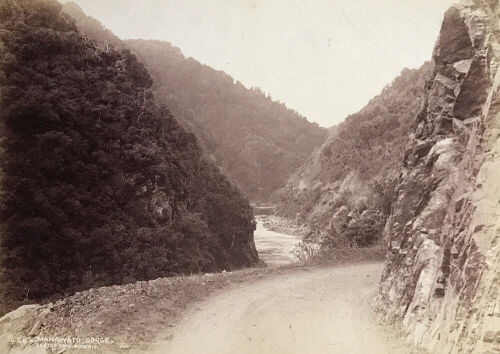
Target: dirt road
[[311, 311]]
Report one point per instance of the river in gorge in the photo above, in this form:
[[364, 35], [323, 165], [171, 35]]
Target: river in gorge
[[274, 248]]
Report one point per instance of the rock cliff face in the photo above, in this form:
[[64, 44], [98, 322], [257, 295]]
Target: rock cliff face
[[442, 277], [344, 189]]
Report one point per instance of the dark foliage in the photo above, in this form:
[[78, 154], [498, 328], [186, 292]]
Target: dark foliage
[[255, 141], [98, 184]]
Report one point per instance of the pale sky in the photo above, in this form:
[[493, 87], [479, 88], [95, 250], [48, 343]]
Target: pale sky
[[323, 58]]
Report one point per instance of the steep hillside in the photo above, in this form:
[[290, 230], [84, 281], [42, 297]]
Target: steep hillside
[[343, 191], [99, 184], [91, 27], [442, 277], [255, 141]]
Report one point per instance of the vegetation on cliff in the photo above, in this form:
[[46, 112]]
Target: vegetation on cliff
[[99, 184], [344, 191], [255, 141]]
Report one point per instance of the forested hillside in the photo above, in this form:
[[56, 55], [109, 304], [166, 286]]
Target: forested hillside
[[255, 141], [344, 190], [99, 184]]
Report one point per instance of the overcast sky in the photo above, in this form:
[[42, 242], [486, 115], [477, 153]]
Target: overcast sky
[[323, 58]]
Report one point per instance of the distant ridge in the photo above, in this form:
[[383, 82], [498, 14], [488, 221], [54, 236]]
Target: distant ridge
[[256, 142]]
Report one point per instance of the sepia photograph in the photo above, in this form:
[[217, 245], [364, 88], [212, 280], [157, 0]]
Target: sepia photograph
[[250, 176]]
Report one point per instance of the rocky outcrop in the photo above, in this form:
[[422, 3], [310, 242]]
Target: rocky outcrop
[[442, 276], [343, 190]]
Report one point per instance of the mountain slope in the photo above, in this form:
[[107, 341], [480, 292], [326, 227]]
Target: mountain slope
[[442, 276], [99, 184], [343, 190], [257, 142]]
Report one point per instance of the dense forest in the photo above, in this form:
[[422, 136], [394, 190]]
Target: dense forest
[[99, 184], [344, 191], [255, 141]]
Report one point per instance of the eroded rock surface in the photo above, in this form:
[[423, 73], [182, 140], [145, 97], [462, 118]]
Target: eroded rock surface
[[442, 277]]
